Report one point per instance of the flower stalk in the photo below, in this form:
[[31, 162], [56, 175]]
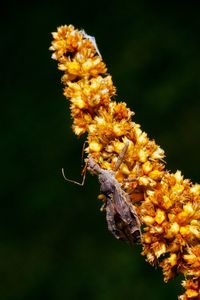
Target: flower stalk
[[167, 205]]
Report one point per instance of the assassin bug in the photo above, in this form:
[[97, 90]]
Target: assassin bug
[[121, 216]]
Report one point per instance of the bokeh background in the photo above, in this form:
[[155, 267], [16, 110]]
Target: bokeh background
[[54, 242]]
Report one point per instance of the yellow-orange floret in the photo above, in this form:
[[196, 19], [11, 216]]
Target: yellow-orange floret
[[192, 287]]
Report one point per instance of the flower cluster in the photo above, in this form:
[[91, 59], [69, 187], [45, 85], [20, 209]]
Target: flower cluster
[[167, 205]]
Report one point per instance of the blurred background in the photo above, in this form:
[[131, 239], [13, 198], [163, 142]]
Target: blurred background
[[54, 242]]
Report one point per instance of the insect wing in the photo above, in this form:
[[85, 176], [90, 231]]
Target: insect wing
[[121, 206], [110, 217], [129, 218]]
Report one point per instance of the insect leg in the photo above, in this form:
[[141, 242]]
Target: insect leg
[[121, 156], [73, 181]]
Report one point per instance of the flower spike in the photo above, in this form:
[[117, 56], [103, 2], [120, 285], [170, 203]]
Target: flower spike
[[166, 204]]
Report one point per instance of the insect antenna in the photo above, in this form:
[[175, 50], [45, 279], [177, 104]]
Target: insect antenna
[[82, 152]]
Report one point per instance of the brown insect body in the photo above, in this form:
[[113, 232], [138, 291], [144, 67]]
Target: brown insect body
[[121, 216]]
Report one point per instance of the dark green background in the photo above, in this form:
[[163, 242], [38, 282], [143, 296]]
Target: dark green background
[[54, 243]]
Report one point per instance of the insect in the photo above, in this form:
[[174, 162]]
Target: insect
[[121, 216], [122, 219], [92, 39]]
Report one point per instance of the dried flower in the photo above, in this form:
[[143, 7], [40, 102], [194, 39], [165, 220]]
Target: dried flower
[[167, 205]]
